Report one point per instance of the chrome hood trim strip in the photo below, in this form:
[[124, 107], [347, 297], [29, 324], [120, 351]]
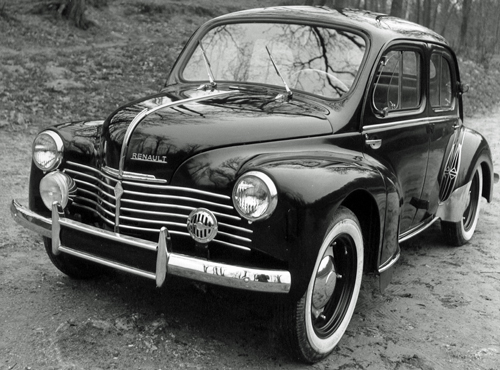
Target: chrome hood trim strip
[[145, 112]]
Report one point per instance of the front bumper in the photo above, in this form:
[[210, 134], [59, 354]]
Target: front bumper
[[167, 262]]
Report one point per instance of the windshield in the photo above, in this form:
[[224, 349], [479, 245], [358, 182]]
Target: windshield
[[317, 60]]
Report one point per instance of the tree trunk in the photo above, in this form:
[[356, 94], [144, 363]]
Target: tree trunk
[[418, 7], [435, 14], [397, 8], [466, 7], [340, 3], [448, 15], [497, 12], [75, 11], [427, 13]]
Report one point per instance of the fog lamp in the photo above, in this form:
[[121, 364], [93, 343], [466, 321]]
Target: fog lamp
[[56, 187], [255, 196], [48, 150]]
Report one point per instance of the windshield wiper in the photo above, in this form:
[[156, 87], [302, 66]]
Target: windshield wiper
[[289, 92], [212, 85]]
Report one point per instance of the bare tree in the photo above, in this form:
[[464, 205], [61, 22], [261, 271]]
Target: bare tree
[[341, 3], [471, 26], [74, 10], [397, 8], [466, 8], [426, 13]]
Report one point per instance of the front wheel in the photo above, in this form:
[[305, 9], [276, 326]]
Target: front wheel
[[74, 267], [314, 325], [459, 233]]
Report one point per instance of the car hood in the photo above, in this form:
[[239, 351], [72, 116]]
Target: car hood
[[159, 133]]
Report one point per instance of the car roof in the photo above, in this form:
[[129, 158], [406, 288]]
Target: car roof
[[379, 26]]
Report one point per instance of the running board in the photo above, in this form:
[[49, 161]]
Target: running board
[[416, 230]]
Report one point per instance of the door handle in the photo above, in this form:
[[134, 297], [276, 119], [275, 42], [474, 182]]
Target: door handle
[[374, 143]]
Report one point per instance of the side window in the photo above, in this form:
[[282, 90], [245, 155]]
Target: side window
[[440, 94], [397, 85]]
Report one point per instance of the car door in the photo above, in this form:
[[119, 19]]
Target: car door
[[444, 121], [395, 124]]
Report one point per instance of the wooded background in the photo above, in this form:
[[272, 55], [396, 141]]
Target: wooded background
[[472, 27]]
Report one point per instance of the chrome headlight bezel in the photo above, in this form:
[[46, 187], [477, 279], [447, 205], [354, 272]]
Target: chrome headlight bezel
[[53, 145], [249, 184]]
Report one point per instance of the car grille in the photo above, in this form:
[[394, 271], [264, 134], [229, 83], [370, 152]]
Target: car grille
[[145, 207]]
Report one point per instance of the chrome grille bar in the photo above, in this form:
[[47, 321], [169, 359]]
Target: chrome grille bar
[[97, 205], [90, 194], [156, 222], [177, 198], [174, 232], [154, 213], [146, 207], [91, 178], [84, 183], [187, 190], [95, 212]]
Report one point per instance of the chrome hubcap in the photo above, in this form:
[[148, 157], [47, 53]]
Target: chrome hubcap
[[333, 285], [324, 284]]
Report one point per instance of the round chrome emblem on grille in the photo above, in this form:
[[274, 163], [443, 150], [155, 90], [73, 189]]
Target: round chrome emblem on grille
[[202, 225]]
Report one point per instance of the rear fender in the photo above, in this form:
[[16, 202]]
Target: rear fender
[[475, 150]]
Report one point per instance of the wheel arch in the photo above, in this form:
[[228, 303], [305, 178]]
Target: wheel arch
[[364, 206], [488, 179], [476, 151], [311, 188]]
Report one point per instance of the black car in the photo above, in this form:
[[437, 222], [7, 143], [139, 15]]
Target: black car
[[291, 150]]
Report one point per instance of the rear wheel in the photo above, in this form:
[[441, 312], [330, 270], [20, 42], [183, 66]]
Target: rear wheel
[[314, 325], [459, 233], [74, 267]]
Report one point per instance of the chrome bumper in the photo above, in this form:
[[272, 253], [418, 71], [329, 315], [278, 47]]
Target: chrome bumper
[[167, 262]]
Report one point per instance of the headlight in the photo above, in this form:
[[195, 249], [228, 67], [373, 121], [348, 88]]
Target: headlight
[[56, 187], [48, 150], [255, 196]]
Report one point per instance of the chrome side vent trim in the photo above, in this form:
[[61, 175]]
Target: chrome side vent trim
[[450, 172]]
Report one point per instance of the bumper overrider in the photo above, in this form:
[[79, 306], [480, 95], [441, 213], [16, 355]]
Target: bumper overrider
[[167, 262]]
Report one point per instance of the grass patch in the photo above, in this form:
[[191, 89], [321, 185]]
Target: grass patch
[[484, 93], [155, 9], [5, 15]]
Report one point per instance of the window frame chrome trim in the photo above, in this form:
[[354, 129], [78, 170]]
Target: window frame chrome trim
[[370, 129]]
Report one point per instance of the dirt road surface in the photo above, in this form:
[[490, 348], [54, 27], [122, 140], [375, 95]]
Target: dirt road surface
[[442, 310]]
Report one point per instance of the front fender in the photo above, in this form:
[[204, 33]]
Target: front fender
[[311, 187], [81, 144]]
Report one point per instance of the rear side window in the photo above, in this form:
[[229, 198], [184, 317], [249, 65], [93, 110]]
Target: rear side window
[[440, 94], [397, 84]]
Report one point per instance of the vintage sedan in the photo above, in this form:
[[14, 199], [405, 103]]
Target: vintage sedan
[[291, 150]]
